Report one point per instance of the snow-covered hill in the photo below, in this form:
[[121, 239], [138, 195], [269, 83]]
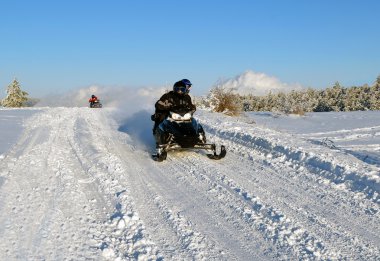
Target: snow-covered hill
[[79, 184]]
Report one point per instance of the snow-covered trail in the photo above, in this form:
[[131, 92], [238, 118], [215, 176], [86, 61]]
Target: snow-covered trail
[[62, 195], [77, 188]]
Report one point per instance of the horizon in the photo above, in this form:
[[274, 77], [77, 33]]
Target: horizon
[[54, 48]]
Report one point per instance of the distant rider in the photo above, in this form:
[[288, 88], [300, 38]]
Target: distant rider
[[93, 100], [177, 100]]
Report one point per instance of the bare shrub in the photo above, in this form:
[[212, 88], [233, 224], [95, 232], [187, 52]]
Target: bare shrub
[[298, 111], [225, 101]]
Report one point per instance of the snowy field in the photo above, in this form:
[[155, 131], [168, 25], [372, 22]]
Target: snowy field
[[356, 133], [79, 184]]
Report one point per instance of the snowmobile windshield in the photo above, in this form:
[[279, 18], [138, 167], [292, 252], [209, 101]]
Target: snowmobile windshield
[[180, 117]]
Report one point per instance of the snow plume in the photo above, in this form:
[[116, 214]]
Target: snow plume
[[132, 107], [257, 84], [133, 114], [125, 98]]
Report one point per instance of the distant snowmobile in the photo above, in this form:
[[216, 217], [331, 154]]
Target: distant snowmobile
[[96, 104], [181, 131]]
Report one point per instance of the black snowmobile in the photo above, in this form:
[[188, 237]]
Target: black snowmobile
[[96, 104], [181, 131]]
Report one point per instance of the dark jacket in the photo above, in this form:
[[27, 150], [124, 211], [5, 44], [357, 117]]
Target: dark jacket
[[174, 102]]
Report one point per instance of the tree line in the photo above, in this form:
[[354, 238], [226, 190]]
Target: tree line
[[335, 98]]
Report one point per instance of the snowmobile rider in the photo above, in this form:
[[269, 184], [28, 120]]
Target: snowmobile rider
[[93, 99], [177, 100]]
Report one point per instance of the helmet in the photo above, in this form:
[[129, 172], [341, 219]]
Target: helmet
[[186, 82], [183, 86], [92, 96]]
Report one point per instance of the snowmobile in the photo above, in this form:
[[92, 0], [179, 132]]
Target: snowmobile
[[181, 131], [96, 104]]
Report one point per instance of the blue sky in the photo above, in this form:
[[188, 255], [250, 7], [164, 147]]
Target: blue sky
[[54, 46]]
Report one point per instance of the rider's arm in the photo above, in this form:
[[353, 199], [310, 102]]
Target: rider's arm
[[164, 103]]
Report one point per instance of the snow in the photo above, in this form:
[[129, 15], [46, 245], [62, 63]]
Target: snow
[[11, 127], [79, 184]]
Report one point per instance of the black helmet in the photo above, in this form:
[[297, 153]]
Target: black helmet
[[183, 86], [92, 96]]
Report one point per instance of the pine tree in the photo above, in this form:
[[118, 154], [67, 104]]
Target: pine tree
[[310, 99], [323, 104], [15, 96], [375, 95], [282, 104], [351, 100], [334, 97]]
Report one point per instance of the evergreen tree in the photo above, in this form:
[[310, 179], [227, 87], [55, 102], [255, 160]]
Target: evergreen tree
[[15, 96], [351, 102], [323, 102], [375, 95], [365, 97], [268, 101], [334, 97], [310, 99]]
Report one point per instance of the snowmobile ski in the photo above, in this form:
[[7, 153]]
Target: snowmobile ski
[[219, 156], [160, 155]]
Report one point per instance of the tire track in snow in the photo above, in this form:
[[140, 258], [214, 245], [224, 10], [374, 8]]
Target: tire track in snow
[[177, 238], [362, 240], [351, 174], [277, 194], [64, 215], [84, 174], [123, 235], [289, 240], [44, 226], [178, 202], [313, 243], [167, 181]]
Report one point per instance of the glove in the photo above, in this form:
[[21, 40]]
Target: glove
[[164, 105]]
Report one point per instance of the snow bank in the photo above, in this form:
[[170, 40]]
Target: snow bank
[[329, 164]]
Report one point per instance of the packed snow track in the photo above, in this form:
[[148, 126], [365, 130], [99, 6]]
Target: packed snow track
[[81, 185]]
